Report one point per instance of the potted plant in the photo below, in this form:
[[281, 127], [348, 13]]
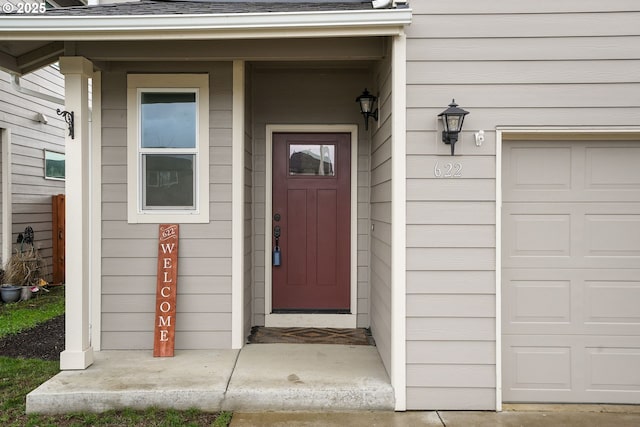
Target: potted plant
[[8, 292], [23, 270]]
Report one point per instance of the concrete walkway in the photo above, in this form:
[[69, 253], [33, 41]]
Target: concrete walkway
[[259, 377], [325, 384], [519, 416], [279, 377]]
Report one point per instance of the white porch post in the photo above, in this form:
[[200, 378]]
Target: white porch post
[[237, 208], [78, 353]]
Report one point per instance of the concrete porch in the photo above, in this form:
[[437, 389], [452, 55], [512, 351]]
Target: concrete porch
[[259, 377]]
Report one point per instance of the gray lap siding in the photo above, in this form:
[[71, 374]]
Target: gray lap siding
[[129, 251]]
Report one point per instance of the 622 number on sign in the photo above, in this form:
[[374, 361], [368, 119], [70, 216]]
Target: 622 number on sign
[[447, 170]]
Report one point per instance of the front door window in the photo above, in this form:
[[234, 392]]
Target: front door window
[[318, 160]]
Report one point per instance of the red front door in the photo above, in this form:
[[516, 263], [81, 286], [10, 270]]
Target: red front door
[[312, 208]]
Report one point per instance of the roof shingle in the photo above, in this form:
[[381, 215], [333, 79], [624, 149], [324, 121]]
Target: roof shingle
[[197, 7]]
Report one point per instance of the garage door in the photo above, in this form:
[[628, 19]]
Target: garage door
[[571, 271]]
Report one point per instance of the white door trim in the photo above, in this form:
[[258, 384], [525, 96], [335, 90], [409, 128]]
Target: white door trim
[[311, 320], [504, 132], [498, 270]]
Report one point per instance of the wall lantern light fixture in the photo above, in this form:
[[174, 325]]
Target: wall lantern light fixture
[[452, 119], [367, 103]]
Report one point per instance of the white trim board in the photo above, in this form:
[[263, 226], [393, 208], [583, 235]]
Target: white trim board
[[498, 270], [95, 212], [535, 133], [399, 221], [7, 238], [237, 207], [312, 320], [378, 22]]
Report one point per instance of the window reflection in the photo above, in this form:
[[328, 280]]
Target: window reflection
[[317, 160], [169, 180], [168, 119]]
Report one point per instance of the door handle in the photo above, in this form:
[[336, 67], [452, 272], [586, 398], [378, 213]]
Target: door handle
[[277, 256]]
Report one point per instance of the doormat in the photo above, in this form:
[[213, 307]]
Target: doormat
[[264, 335]]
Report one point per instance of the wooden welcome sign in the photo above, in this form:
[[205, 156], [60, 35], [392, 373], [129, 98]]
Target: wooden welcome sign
[[165, 320]]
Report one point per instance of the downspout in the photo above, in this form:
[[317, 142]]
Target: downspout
[[15, 83]]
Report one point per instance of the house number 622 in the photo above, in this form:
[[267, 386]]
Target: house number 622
[[447, 170]]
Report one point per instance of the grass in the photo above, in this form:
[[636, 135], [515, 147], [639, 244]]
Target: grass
[[24, 315], [18, 377]]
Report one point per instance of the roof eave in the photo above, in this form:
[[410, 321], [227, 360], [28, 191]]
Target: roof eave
[[206, 26]]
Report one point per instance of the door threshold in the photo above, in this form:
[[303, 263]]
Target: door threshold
[[310, 320], [310, 311]]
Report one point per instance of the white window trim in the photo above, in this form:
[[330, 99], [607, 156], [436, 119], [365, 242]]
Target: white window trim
[[136, 214]]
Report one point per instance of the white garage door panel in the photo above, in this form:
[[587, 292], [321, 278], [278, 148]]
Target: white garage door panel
[[612, 168], [571, 171], [571, 235], [610, 368], [571, 271], [611, 302], [610, 235], [557, 369], [524, 164], [539, 302], [571, 301]]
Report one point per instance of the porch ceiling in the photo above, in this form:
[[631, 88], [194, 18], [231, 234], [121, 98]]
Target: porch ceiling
[[26, 56], [33, 41]]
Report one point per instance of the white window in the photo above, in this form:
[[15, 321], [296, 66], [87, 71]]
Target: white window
[[168, 148], [54, 165]]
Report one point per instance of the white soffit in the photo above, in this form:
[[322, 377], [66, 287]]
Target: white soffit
[[377, 22]]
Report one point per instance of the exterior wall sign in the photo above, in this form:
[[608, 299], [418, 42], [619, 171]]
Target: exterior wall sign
[[165, 320], [447, 170]]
